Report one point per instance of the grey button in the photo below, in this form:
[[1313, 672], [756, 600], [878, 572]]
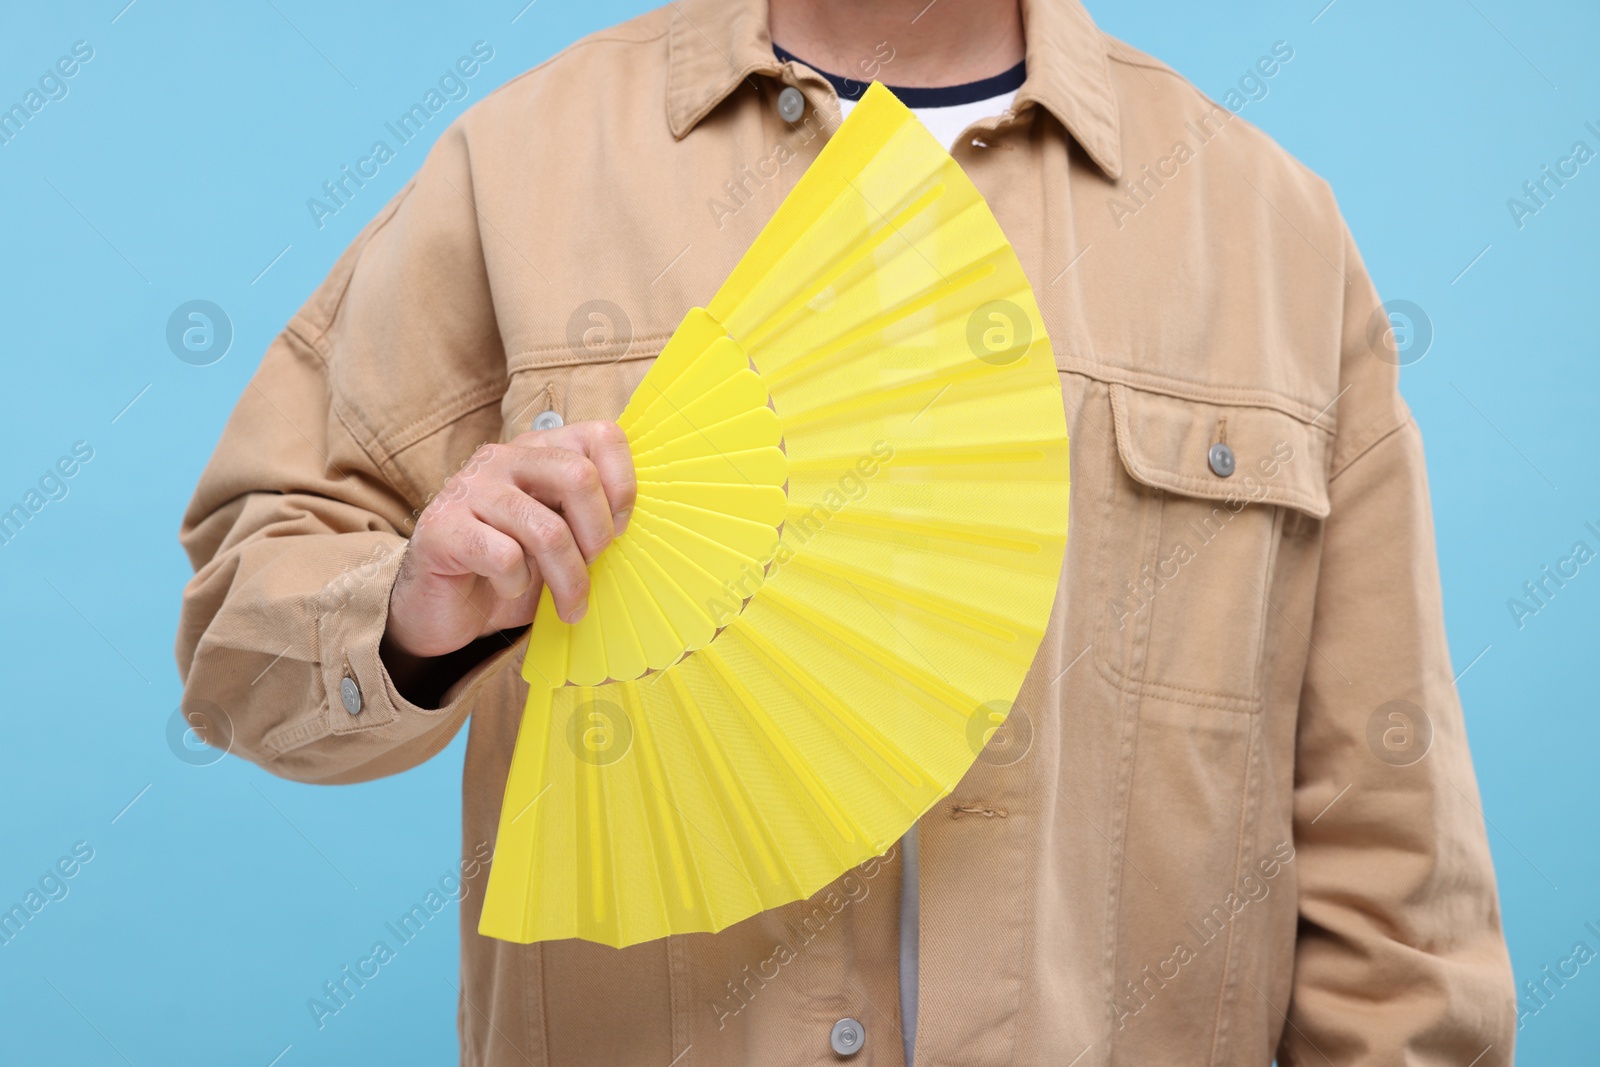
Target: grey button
[[547, 420], [791, 104], [350, 696], [1221, 459], [847, 1038]]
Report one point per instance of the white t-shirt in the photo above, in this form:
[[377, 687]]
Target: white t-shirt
[[946, 111], [946, 123]]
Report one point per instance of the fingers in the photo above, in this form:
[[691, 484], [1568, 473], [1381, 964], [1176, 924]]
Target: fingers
[[472, 546], [541, 507], [565, 483], [542, 536], [606, 447]]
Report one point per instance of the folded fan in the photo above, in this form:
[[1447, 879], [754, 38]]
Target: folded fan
[[852, 512]]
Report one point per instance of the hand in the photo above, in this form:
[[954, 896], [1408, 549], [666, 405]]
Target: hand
[[519, 516]]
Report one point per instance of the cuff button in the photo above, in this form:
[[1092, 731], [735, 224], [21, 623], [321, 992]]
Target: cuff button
[[350, 696]]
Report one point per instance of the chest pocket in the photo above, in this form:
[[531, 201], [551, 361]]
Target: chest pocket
[[1199, 497]]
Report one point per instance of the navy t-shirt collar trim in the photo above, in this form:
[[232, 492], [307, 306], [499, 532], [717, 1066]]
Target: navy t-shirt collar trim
[[941, 96]]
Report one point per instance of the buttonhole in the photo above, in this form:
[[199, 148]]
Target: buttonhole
[[958, 810]]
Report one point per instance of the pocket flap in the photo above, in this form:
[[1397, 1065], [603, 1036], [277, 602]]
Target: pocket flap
[[1165, 441]]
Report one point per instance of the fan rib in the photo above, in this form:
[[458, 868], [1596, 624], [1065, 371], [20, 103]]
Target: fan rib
[[697, 857], [591, 826], [763, 465], [870, 738], [658, 639], [697, 332], [518, 842], [948, 700], [755, 539], [657, 833], [725, 782], [690, 626], [755, 502], [983, 622], [969, 455], [932, 529], [781, 747], [818, 359], [740, 391], [838, 266], [682, 569], [909, 395], [625, 658], [758, 424], [670, 819], [713, 557], [719, 354]]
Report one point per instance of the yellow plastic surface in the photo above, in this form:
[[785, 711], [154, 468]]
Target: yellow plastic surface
[[851, 519]]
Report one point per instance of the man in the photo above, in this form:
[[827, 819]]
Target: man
[[1236, 818]]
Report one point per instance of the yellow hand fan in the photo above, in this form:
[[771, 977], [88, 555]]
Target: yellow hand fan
[[851, 518]]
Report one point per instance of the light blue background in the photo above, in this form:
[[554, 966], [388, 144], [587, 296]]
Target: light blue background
[[178, 168]]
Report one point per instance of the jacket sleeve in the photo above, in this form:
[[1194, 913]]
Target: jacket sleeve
[[1400, 956], [382, 385]]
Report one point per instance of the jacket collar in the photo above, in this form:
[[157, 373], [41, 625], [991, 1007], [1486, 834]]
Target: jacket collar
[[716, 44]]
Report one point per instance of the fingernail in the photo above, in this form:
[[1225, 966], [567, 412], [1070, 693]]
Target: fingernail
[[578, 613], [620, 521]]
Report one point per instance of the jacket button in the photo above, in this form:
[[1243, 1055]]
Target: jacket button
[[847, 1038], [791, 104], [1221, 459], [547, 420], [350, 696]]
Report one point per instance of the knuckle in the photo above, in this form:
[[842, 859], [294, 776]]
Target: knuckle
[[609, 434], [526, 514], [566, 466], [472, 543], [504, 556], [547, 532], [583, 476]]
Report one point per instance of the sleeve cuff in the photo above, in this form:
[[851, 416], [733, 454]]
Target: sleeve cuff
[[359, 695]]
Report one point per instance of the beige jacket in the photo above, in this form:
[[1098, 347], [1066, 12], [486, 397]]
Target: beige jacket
[[1235, 816]]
